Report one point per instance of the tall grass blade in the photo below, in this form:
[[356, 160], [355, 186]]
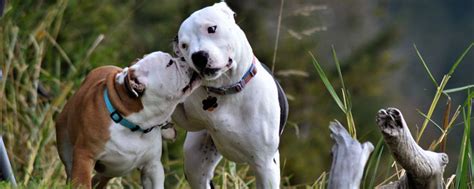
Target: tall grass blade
[[470, 151], [275, 49], [426, 117], [458, 89], [326, 82], [471, 160], [447, 113], [462, 171], [439, 91], [346, 97], [338, 66], [426, 66], [459, 60], [441, 140], [374, 162]]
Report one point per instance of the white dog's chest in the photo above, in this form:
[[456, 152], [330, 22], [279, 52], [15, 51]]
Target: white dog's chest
[[221, 115], [238, 130], [126, 151]]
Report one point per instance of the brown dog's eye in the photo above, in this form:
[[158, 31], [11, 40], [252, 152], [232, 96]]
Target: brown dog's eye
[[211, 29], [184, 46]]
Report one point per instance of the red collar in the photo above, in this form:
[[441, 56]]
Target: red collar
[[236, 87]]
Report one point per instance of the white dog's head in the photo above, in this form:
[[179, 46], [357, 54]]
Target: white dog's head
[[210, 41], [158, 75]]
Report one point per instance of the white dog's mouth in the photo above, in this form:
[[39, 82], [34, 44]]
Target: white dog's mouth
[[208, 66], [213, 73], [210, 71], [193, 83]]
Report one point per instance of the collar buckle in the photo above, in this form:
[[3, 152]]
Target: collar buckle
[[116, 117], [240, 85]]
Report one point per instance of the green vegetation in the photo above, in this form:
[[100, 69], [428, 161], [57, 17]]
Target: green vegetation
[[51, 45], [463, 178]]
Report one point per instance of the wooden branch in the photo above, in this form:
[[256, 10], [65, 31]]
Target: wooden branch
[[349, 158], [424, 169]]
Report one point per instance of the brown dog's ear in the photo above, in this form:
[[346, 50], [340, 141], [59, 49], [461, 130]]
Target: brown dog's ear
[[176, 47], [133, 85]]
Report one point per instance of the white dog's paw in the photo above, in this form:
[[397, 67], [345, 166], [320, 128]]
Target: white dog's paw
[[390, 121]]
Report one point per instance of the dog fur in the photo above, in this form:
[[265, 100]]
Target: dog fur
[[244, 127]]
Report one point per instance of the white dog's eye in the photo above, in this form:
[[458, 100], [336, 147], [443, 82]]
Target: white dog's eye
[[184, 45], [212, 29]]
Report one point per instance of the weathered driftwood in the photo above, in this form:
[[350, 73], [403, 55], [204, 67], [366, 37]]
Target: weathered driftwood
[[349, 158], [424, 169]]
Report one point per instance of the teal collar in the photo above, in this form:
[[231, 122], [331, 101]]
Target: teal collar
[[117, 118]]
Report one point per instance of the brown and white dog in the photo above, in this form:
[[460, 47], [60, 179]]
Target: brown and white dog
[[91, 136]]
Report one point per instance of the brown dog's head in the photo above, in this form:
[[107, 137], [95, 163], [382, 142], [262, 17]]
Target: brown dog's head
[[159, 75]]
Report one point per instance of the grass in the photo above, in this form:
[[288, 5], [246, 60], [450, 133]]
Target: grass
[[31, 53], [465, 162], [464, 175], [345, 104]]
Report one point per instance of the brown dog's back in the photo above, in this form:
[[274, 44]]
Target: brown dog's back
[[84, 112]]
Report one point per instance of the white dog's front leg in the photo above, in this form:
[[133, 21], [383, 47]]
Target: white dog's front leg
[[153, 176], [268, 173], [200, 159], [179, 117]]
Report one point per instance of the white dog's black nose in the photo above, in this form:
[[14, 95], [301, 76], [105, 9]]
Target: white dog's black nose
[[200, 59]]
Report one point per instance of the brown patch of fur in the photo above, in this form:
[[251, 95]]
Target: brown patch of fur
[[84, 122], [120, 97], [133, 86]]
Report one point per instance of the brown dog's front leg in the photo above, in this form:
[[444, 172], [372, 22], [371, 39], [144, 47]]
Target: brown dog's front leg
[[82, 166]]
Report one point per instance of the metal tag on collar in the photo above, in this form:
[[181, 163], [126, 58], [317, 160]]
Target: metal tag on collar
[[240, 86], [252, 70]]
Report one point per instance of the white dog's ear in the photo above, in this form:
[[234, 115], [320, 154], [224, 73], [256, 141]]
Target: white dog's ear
[[133, 85], [226, 9], [134, 62]]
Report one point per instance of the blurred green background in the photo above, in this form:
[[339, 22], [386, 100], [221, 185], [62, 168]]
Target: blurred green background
[[373, 39]]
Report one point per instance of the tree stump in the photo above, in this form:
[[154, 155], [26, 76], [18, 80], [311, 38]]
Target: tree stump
[[349, 158], [423, 169]]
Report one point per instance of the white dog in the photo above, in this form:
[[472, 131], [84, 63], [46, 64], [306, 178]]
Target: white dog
[[239, 112], [112, 123]]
